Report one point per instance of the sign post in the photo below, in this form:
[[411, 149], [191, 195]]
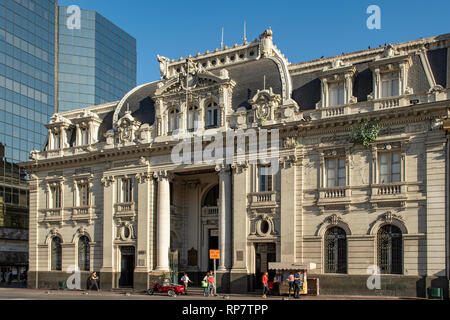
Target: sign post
[[214, 254]]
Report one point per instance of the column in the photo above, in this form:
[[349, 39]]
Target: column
[[224, 216], [288, 209], [163, 221], [239, 272], [107, 269], [144, 201]]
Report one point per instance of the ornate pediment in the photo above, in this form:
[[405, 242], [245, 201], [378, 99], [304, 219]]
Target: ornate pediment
[[127, 127], [189, 76], [264, 104]]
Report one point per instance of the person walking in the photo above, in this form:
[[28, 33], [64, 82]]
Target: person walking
[[205, 284], [9, 276], [211, 284], [291, 283], [297, 283], [265, 282], [185, 279], [93, 281]]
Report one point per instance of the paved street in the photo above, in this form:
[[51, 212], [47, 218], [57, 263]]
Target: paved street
[[195, 294]]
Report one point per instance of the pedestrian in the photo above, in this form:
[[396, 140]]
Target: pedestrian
[[211, 284], [291, 283], [205, 284], [265, 282], [93, 281], [10, 275], [185, 279], [297, 283]]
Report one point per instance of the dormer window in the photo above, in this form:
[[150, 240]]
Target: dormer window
[[56, 141], [390, 74], [212, 115], [337, 84], [174, 119], [84, 136], [193, 118], [389, 84], [336, 93]]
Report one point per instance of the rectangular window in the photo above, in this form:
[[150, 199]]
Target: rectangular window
[[389, 85], [335, 172], [55, 193], [83, 195], [56, 139], [389, 167], [84, 136], [126, 190], [336, 92], [265, 178]]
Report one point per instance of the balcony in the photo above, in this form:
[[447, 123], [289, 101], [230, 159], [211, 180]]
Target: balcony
[[210, 211], [264, 199], [334, 195], [124, 209], [388, 191], [51, 215], [81, 213]]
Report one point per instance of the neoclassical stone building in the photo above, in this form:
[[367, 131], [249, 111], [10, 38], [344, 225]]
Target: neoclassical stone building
[[106, 194]]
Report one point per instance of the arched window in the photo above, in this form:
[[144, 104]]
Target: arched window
[[390, 247], [56, 254], [83, 253], [174, 119], [212, 115], [192, 118], [335, 250]]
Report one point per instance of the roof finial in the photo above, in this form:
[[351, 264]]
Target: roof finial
[[245, 32], [221, 43]]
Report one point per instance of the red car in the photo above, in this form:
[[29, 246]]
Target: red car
[[171, 289]]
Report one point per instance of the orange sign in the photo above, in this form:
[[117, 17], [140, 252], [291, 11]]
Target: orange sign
[[214, 254]]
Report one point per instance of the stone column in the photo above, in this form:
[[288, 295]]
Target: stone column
[[224, 217], [287, 212], [239, 272], [107, 269], [144, 201], [163, 222]]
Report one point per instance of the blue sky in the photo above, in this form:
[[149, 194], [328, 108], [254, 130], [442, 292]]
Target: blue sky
[[303, 30]]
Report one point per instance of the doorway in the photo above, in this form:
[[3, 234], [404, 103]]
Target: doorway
[[213, 243], [264, 253], [127, 264]]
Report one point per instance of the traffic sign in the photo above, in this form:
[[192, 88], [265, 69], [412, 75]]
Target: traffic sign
[[214, 254]]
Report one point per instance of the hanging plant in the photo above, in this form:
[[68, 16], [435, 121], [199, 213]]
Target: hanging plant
[[366, 133]]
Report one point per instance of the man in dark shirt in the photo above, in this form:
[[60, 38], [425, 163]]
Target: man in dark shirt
[[297, 284]]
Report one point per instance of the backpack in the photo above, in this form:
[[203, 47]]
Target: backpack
[[204, 284]]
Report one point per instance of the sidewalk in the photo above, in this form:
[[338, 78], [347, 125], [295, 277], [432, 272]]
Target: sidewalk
[[17, 293]]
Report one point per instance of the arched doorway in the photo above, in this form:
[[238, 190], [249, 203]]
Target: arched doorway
[[390, 249], [335, 250], [210, 212]]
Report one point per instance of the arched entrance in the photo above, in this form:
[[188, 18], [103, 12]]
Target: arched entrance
[[210, 213]]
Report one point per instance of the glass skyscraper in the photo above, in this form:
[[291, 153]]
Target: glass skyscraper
[[94, 64], [97, 62]]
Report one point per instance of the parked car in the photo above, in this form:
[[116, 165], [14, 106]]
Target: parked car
[[170, 288]]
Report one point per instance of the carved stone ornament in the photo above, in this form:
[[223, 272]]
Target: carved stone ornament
[[334, 219], [127, 127], [264, 103], [388, 217], [107, 181]]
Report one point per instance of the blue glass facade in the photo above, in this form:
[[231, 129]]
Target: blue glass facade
[[26, 75], [96, 63]]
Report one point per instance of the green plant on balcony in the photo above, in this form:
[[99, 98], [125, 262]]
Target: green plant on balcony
[[365, 133]]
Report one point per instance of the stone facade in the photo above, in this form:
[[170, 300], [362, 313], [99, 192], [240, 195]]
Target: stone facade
[[108, 173]]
